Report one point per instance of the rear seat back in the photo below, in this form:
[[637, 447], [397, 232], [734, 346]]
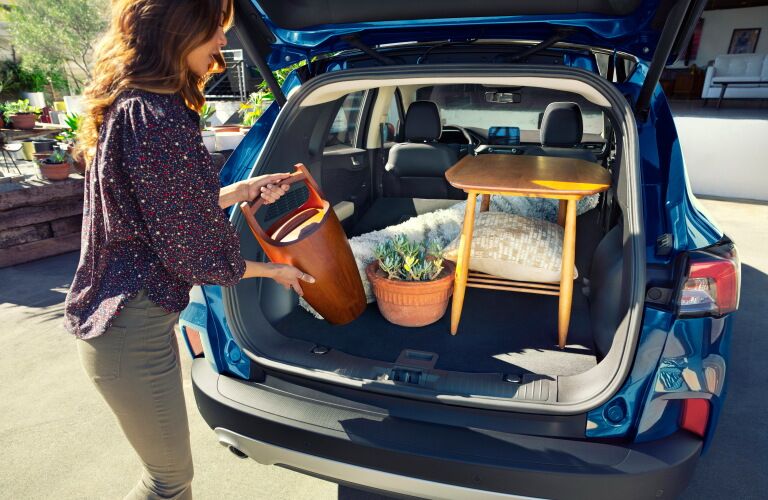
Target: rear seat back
[[416, 168], [561, 131]]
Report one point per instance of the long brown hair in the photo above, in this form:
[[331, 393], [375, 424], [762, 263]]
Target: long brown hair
[[146, 47]]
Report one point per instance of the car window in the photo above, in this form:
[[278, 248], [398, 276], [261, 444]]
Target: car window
[[344, 127], [487, 108], [394, 119]]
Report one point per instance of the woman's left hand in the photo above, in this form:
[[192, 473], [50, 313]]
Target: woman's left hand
[[267, 187]]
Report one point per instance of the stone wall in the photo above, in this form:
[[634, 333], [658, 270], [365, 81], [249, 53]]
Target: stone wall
[[39, 218]]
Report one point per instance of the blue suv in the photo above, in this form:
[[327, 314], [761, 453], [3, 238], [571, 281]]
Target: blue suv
[[627, 408]]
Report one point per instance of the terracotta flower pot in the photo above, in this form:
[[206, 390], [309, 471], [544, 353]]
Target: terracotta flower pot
[[24, 121], [54, 171], [412, 303]]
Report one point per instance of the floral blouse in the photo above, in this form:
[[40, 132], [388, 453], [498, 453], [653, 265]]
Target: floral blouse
[[151, 217]]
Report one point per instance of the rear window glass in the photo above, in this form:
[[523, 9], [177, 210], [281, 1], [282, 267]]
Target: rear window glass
[[344, 127], [504, 108]]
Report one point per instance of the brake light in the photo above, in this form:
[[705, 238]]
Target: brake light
[[193, 341], [695, 416], [712, 282]]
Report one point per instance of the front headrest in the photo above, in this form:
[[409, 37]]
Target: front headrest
[[422, 122], [562, 125]]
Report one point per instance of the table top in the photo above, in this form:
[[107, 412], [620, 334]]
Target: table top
[[544, 176]]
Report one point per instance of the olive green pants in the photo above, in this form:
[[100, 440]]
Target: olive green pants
[[135, 366]]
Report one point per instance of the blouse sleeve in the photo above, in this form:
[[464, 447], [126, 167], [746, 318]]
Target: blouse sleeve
[[177, 191]]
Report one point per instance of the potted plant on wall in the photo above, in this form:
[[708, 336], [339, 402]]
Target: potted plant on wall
[[55, 167], [68, 137], [209, 135], [21, 114], [411, 281]]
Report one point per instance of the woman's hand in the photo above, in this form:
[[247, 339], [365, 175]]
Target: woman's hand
[[286, 275], [268, 187], [289, 277]]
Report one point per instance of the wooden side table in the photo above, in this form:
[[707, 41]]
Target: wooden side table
[[564, 179]]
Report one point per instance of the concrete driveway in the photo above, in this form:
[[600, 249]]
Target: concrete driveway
[[59, 440]]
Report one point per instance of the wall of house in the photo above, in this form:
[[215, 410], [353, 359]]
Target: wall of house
[[718, 28]]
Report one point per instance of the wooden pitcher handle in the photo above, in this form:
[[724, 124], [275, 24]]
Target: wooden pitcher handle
[[250, 208]]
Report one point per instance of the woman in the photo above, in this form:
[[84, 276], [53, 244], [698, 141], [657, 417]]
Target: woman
[[153, 224]]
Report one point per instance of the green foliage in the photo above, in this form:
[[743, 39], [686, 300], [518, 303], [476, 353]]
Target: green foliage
[[206, 112], [58, 156], [254, 107], [20, 107], [407, 260], [15, 78], [69, 135], [51, 35]]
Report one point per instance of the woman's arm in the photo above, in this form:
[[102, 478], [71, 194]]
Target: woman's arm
[[265, 186]]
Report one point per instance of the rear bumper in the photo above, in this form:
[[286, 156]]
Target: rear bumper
[[363, 446]]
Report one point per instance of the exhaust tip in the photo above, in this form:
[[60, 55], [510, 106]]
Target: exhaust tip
[[236, 452]]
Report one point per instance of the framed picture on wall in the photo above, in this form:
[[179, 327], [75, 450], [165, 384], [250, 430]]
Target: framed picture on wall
[[744, 41]]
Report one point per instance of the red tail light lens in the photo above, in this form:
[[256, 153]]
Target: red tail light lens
[[695, 416], [193, 340], [712, 282]]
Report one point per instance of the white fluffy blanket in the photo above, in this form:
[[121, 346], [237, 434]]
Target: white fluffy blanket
[[445, 225]]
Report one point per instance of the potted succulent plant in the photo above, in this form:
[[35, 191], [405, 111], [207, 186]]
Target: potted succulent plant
[[22, 114], [411, 281], [209, 135], [55, 167]]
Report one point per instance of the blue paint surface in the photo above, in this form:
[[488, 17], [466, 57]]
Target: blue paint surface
[[673, 355]]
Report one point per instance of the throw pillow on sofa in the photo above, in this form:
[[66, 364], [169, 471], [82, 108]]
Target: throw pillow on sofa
[[514, 247]]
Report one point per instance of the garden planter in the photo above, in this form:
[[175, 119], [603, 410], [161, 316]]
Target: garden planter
[[228, 140], [412, 303], [74, 103], [54, 171], [35, 98], [44, 145], [209, 139], [28, 149], [23, 121]]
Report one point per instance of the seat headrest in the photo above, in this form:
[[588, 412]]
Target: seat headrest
[[562, 125], [422, 122]]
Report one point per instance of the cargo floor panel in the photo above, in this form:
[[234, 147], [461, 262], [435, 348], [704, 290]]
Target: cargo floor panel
[[503, 332]]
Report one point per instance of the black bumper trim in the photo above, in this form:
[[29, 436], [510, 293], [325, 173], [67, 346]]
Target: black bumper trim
[[469, 458]]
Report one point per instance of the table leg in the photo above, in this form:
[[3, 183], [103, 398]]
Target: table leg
[[561, 213], [723, 86], [462, 262], [566, 274], [485, 202]]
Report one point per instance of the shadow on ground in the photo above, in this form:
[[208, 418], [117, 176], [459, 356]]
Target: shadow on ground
[[736, 465], [51, 278]]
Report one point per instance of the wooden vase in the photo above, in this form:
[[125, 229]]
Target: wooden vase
[[311, 239]]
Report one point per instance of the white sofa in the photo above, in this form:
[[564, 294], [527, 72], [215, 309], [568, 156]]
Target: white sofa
[[742, 76]]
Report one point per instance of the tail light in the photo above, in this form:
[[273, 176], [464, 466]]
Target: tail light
[[695, 416], [193, 341], [711, 283]]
